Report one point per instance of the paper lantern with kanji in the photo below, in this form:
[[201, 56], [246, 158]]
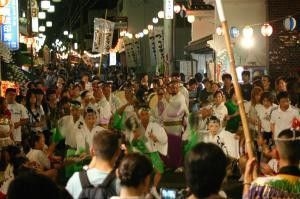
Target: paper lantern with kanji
[[289, 23]]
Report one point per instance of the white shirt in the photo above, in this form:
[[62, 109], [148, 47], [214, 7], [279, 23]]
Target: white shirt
[[159, 132], [18, 112], [220, 111], [104, 110], [39, 157], [226, 141], [264, 115], [66, 127], [95, 177], [84, 137], [175, 110], [185, 93], [283, 119]]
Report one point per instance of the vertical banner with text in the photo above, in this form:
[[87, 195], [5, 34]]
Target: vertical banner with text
[[103, 35], [10, 28]]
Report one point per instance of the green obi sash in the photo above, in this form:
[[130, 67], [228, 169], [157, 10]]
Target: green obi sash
[[140, 145]]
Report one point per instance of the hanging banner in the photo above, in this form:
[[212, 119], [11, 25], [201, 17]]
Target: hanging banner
[[103, 35], [159, 45], [10, 28], [133, 53]]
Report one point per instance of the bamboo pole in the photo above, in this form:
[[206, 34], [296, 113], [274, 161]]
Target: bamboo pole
[[236, 86]]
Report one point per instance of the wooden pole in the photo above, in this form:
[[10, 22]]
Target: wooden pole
[[248, 138]]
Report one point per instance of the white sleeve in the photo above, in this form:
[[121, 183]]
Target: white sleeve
[[43, 160], [80, 140], [24, 114]]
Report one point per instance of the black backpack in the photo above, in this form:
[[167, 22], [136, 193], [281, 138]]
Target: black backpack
[[104, 190]]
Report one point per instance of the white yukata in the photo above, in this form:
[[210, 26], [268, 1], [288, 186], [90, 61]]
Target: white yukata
[[226, 141], [220, 111], [159, 132], [66, 127], [104, 111], [84, 137]]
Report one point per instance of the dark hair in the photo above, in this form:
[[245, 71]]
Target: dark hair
[[2, 100], [13, 90], [226, 76], [198, 77], [268, 77], [34, 138], [38, 91], [268, 96], [192, 81], [282, 95], [279, 79], [231, 93], [246, 72], [29, 93], [213, 119], [106, 144], [205, 169], [288, 145], [33, 186], [218, 92], [133, 169]]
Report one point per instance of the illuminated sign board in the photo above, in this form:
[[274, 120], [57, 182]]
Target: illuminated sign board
[[10, 28]]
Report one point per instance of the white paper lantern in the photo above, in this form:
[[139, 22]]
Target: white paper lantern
[[234, 32], [51, 9], [266, 30], [150, 27], [289, 23], [137, 36], [141, 34], [177, 8], [42, 15], [66, 32], [145, 31], [130, 36], [219, 30], [56, 1], [48, 23], [191, 18], [161, 14], [42, 29], [155, 20], [71, 36], [248, 32], [45, 4]]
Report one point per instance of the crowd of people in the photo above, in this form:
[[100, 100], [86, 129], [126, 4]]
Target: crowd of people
[[121, 136]]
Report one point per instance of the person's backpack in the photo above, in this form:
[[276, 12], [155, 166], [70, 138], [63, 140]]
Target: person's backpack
[[104, 190]]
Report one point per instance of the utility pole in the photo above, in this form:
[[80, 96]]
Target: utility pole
[[168, 36]]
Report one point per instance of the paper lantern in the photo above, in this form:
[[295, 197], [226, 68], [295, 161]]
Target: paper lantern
[[42, 15], [48, 23], [45, 4], [266, 30], [155, 20], [66, 32], [42, 28], [71, 36], [219, 31], [177, 8], [137, 36], [141, 34], [289, 23], [56, 1], [145, 31], [3, 3], [248, 32], [234, 32], [161, 14], [150, 27], [191, 18], [51, 9]]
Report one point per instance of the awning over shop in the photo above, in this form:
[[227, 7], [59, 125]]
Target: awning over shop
[[200, 46]]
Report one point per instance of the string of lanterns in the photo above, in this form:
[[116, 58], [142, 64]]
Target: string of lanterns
[[289, 23], [178, 9]]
